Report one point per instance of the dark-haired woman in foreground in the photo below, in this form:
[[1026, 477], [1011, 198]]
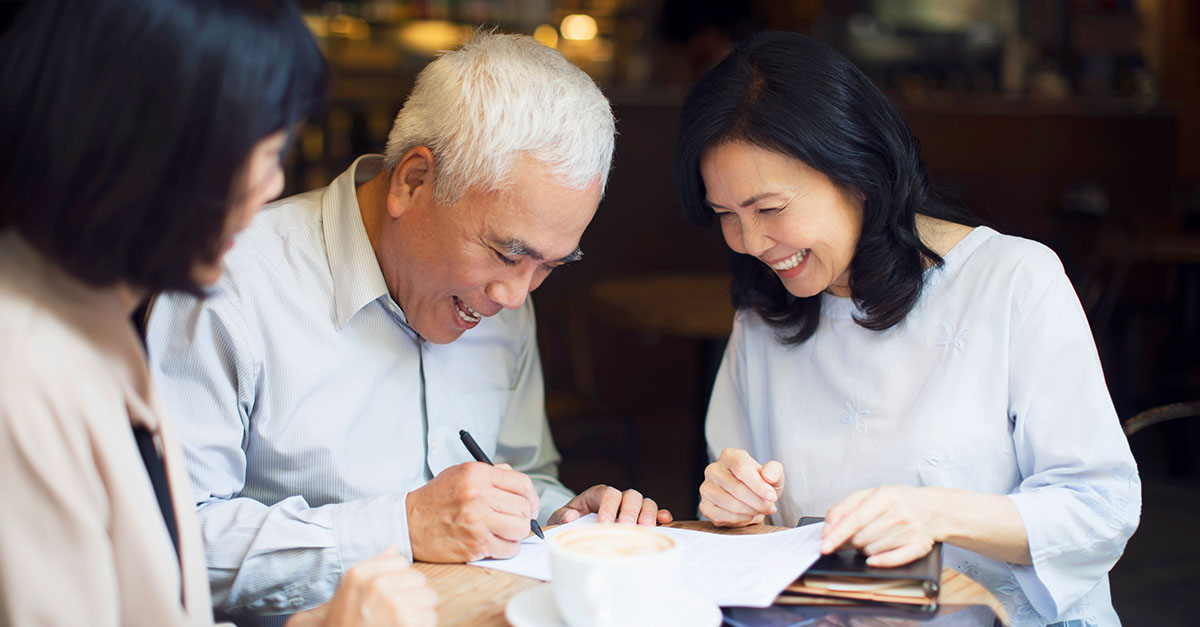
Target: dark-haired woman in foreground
[[917, 379], [136, 138]]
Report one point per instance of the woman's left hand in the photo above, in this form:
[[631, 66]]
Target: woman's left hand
[[892, 525]]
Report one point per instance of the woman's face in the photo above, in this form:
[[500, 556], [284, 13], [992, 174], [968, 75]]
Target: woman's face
[[260, 182], [785, 213]]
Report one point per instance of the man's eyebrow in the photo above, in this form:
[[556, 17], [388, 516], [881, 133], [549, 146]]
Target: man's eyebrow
[[575, 255], [514, 246], [746, 203]]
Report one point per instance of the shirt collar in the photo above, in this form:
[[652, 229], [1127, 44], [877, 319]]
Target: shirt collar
[[357, 279]]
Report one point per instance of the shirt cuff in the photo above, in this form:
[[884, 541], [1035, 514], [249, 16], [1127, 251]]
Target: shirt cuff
[[551, 496], [367, 526], [1036, 579]]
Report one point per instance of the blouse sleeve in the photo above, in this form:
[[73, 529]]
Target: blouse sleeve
[[1080, 496]]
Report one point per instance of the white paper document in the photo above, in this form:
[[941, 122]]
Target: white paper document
[[742, 570]]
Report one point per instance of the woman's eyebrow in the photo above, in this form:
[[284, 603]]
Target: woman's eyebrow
[[746, 203]]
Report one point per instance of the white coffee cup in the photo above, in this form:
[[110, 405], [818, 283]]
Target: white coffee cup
[[613, 574]]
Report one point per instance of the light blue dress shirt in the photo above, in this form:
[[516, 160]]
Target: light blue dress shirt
[[308, 408]]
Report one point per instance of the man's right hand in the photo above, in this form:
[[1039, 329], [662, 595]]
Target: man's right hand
[[737, 491], [470, 511]]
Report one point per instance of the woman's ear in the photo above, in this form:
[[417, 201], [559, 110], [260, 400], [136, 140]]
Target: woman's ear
[[411, 182]]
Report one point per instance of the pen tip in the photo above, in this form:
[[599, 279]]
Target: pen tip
[[537, 529]]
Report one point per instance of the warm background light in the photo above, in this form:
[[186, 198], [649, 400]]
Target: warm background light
[[429, 37], [546, 34], [578, 27]]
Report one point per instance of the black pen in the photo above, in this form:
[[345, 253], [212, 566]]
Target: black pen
[[480, 456]]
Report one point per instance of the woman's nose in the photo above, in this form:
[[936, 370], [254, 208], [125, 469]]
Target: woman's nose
[[755, 239]]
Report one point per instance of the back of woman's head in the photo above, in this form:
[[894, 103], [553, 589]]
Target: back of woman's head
[[793, 95], [124, 125]]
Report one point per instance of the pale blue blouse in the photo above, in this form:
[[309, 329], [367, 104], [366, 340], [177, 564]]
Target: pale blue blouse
[[991, 383]]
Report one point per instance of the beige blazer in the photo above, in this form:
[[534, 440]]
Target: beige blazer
[[82, 540]]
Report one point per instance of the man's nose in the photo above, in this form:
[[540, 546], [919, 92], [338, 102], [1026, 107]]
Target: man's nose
[[512, 290]]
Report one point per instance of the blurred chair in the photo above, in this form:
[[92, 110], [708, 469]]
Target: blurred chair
[[1160, 414], [1177, 252]]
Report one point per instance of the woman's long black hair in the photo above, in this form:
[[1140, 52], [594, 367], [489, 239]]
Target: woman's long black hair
[[124, 125], [796, 96]]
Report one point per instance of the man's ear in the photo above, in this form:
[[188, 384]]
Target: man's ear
[[411, 181]]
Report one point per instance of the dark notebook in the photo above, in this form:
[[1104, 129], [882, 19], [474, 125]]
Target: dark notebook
[[845, 577]]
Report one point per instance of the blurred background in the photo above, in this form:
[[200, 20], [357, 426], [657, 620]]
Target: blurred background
[[1072, 122]]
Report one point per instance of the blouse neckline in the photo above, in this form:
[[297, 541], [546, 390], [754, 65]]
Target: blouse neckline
[[844, 308]]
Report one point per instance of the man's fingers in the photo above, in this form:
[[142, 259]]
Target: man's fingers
[[649, 514], [609, 504], [509, 528], [503, 548], [516, 483], [508, 504], [631, 506], [665, 517]]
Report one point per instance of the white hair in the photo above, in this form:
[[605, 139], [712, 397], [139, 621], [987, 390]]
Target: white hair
[[500, 96]]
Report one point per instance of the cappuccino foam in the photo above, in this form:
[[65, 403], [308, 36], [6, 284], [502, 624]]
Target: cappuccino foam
[[614, 540]]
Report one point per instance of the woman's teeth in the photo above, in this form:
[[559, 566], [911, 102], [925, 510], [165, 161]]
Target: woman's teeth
[[790, 262], [466, 313]]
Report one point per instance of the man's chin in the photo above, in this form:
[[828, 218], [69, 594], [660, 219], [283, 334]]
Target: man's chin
[[442, 336]]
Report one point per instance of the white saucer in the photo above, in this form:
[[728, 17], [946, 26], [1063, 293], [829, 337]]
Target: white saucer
[[534, 607]]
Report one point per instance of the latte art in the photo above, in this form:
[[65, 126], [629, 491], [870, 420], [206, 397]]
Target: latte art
[[614, 540]]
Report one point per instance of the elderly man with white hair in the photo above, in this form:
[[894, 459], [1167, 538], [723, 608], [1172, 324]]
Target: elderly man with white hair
[[321, 387]]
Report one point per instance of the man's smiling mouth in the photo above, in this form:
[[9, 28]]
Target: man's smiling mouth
[[465, 312]]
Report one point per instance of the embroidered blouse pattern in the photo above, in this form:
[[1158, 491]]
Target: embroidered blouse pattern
[[857, 417], [952, 337]]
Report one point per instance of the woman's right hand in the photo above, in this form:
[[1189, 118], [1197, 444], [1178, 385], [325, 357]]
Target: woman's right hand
[[737, 491], [384, 591]]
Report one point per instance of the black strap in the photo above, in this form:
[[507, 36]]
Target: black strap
[[158, 478]]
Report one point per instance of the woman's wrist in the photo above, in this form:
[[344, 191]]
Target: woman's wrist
[[939, 505], [988, 524]]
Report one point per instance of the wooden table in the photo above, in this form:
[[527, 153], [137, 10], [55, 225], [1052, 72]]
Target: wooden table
[[472, 595]]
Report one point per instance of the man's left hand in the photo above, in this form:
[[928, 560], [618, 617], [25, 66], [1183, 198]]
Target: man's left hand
[[612, 505]]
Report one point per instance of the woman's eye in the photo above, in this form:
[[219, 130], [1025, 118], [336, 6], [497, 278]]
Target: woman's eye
[[771, 210]]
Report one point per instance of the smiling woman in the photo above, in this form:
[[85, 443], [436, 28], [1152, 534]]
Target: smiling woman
[[819, 116], [920, 380], [793, 218]]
